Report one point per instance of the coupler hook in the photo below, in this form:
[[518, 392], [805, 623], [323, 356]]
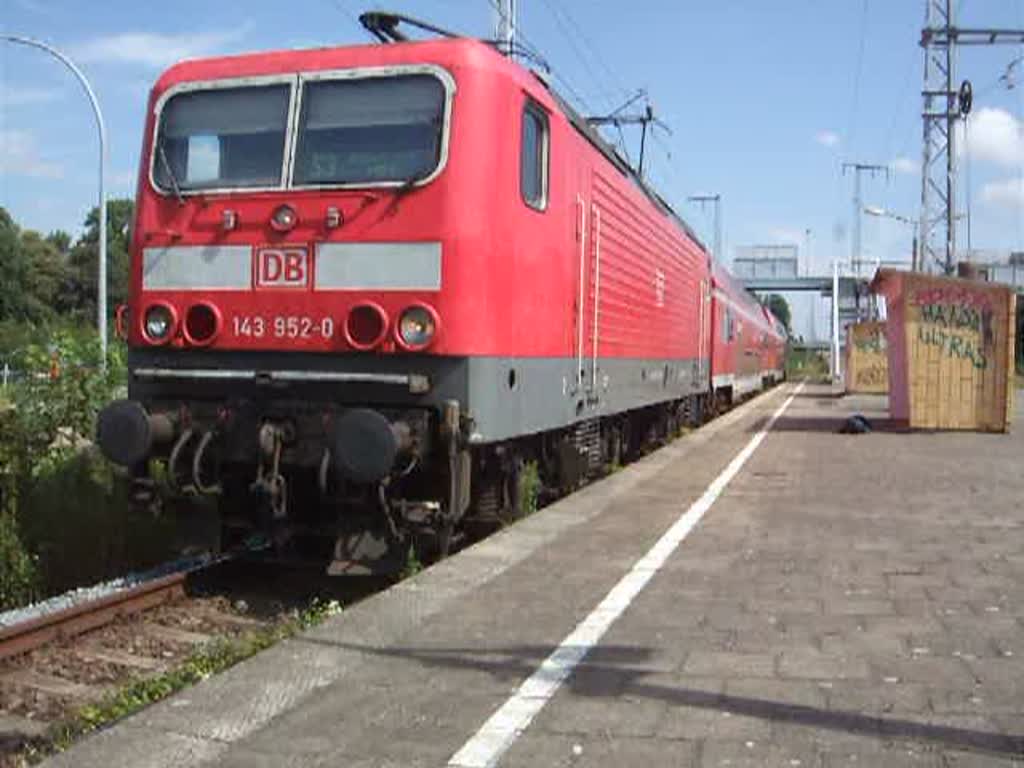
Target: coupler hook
[[272, 482]]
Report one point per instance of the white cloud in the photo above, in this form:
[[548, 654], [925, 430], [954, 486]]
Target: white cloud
[[19, 156], [827, 138], [1008, 193], [12, 96], [156, 50], [995, 136], [904, 165]]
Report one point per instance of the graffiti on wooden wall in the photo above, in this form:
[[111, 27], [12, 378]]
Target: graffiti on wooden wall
[[958, 321]]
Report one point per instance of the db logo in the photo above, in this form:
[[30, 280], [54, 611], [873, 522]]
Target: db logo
[[282, 268]]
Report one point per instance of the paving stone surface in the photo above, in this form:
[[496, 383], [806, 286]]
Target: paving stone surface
[[849, 600]]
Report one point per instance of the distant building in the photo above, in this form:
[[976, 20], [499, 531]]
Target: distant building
[[999, 266]]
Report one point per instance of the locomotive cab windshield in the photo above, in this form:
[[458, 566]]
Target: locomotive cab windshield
[[352, 128]]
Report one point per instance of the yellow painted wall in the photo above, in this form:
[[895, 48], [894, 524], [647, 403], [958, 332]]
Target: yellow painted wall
[[867, 361], [959, 345]]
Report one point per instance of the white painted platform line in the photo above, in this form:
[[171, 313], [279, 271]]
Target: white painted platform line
[[495, 736]]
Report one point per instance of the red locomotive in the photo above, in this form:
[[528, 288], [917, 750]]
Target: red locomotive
[[369, 283]]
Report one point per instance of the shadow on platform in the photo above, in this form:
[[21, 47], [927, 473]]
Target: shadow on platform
[[609, 675], [826, 424]]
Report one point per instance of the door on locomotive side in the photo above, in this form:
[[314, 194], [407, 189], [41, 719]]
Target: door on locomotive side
[[588, 287], [705, 328], [580, 212], [592, 315]]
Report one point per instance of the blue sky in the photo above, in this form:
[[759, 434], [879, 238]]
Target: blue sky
[[765, 99]]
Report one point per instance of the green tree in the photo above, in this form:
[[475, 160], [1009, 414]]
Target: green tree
[[80, 293], [32, 274], [60, 240], [45, 275], [779, 307], [12, 268]]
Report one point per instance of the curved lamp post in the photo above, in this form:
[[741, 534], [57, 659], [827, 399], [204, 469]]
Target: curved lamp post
[[101, 292], [874, 210]]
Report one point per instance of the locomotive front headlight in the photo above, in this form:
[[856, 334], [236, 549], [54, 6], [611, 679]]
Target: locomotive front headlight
[[417, 327], [159, 322], [284, 218]]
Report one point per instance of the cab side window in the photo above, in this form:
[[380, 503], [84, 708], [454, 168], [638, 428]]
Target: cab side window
[[533, 158]]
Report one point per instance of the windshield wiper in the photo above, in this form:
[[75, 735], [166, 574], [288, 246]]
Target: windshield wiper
[[411, 181], [397, 193], [169, 172]]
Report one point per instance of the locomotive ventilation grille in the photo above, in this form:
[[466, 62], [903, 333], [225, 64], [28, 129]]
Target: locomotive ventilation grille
[[588, 442]]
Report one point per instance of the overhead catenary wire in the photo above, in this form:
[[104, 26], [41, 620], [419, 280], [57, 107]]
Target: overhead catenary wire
[[535, 50], [622, 143], [894, 152], [578, 44], [573, 91], [902, 100], [851, 131], [839, 232], [345, 11]]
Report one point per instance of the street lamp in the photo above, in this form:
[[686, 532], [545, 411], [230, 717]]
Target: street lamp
[[101, 292], [874, 210]]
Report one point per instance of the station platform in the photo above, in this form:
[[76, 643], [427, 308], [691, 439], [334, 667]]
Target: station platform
[[763, 592]]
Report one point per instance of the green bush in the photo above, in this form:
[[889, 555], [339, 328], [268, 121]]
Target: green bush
[[77, 520], [19, 576], [806, 363], [64, 512], [51, 409]]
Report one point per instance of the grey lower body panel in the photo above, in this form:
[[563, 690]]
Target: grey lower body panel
[[510, 396], [505, 396]]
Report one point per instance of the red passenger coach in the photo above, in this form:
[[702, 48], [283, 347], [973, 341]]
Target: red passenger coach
[[369, 283], [747, 345]]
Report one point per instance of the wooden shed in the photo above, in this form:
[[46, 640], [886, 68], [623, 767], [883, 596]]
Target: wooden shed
[[951, 350], [867, 359]]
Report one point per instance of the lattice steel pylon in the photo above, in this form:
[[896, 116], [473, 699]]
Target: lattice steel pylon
[[944, 103], [938, 162]]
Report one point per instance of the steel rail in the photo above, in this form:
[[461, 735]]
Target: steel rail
[[26, 636]]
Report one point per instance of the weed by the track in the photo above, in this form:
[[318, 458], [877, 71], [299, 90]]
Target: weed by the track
[[529, 488], [208, 660], [412, 564]]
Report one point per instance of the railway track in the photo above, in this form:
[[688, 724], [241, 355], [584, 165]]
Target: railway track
[[63, 624], [74, 649], [56, 660]]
